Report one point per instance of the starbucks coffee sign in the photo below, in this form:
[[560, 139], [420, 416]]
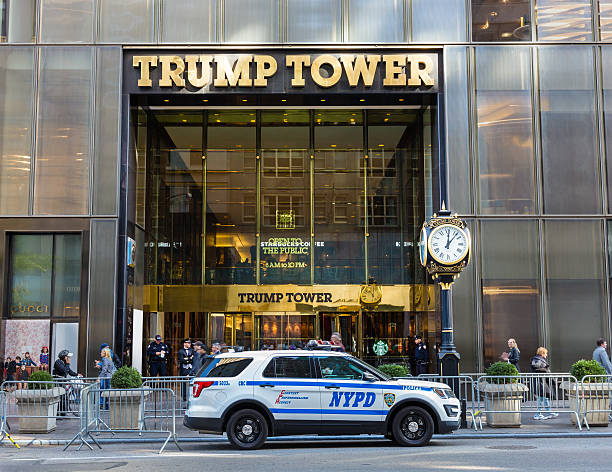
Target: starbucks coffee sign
[[277, 71]]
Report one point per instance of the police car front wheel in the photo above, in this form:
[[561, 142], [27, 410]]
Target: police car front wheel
[[247, 429], [412, 426]]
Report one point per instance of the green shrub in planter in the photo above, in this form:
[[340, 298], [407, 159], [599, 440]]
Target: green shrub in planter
[[394, 370], [40, 376], [126, 377], [583, 367], [502, 369]]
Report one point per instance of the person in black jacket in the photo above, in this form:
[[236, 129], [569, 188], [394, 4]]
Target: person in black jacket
[[185, 362], [199, 357], [514, 354], [61, 368], [158, 353], [421, 357], [11, 369]]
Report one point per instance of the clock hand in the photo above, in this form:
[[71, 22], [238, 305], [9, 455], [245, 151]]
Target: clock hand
[[450, 241]]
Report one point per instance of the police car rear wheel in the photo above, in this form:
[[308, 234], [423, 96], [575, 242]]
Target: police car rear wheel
[[412, 426], [247, 429]]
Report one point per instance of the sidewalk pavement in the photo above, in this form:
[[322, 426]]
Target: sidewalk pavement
[[67, 428]]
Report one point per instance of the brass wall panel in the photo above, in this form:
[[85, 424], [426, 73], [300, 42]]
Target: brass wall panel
[[275, 298]]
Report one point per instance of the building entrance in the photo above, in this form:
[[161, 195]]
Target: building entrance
[[347, 324]]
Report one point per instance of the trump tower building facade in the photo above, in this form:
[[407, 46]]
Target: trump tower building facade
[[256, 172]]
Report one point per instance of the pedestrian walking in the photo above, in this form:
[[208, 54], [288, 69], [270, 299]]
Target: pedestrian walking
[[158, 353], [107, 368], [216, 349], [540, 365], [336, 341], [114, 356], [421, 357], [513, 355], [601, 357], [199, 357]]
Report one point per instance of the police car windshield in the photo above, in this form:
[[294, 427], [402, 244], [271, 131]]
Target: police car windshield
[[224, 367], [371, 369]]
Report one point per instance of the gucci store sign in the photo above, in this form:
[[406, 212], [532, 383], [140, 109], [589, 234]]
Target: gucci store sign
[[274, 71]]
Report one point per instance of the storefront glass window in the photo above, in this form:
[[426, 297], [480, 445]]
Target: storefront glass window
[[64, 131], [510, 288], [438, 21], [494, 20], [569, 129], [506, 162], [395, 182], [339, 197], [127, 21], [379, 22], [285, 191], [17, 19], [15, 129], [175, 198], [189, 21], [575, 289], [564, 20], [314, 21], [283, 330], [66, 21], [67, 276], [251, 21], [231, 197]]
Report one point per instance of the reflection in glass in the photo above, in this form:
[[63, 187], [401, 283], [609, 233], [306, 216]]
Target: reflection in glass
[[66, 21], [189, 21], [606, 61], [605, 20], [569, 126], [283, 330], [174, 215], [339, 197], [564, 20], [285, 192], [251, 21], [314, 21], [17, 19], [395, 182], [127, 21], [510, 288], [376, 22], [64, 126], [231, 206], [15, 129], [67, 276], [495, 20], [31, 272], [438, 21], [575, 289], [505, 135]]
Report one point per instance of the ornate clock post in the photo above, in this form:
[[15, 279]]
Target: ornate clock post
[[445, 251]]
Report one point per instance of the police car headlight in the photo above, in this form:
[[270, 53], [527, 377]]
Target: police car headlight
[[440, 392]]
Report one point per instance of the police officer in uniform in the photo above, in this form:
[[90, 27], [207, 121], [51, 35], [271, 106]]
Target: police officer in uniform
[[421, 356], [158, 356], [185, 362]]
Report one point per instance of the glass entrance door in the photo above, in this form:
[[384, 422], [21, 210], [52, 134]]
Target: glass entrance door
[[344, 323], [233, 329], [284, 330]]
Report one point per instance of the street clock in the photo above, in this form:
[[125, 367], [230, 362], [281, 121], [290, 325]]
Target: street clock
[[444, 247]]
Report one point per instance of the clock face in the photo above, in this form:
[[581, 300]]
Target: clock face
[[448, 244], [423, 247]]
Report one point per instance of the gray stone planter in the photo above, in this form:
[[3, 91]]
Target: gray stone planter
[[591, 396], [38, 409], [126, 407], [501, 398]]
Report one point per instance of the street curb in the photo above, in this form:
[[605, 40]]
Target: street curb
[[222, 439]]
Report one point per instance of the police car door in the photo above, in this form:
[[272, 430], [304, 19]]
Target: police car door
[[288, 387], [345, 395]]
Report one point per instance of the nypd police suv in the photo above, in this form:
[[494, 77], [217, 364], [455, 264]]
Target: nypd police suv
[[253, 395]]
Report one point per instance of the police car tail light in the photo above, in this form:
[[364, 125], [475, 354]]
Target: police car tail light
[[199, 385]]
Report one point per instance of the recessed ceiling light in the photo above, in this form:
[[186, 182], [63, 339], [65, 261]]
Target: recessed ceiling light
[[184, 121], [401, 99], [244, 99], [205, 100], [284, 100], [381, 145], [362, 99], [332, 145], [322, 99], [166, 100]]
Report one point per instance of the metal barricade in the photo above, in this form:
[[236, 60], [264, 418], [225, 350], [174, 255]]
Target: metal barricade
[[505, 398], [464, 388], [180, 387], [594, 393], [87, 417], [123, 411]]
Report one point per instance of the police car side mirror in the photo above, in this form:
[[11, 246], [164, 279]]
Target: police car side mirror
[[368, 377]]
